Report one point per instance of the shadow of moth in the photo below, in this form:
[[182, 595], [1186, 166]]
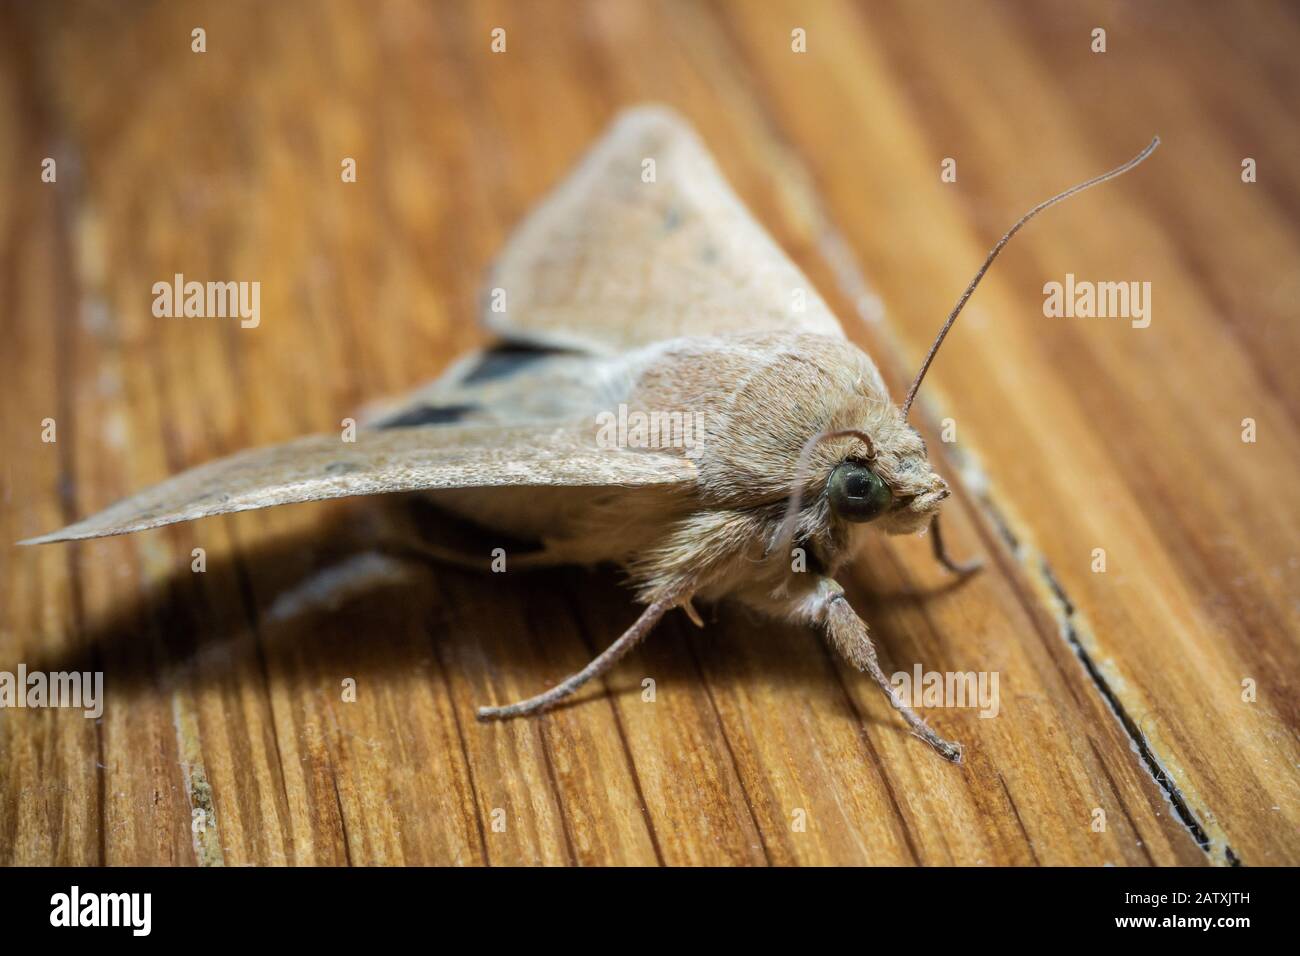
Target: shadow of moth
[[638, 299]]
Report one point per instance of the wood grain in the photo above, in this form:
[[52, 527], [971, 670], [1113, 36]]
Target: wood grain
[[1120, 691]]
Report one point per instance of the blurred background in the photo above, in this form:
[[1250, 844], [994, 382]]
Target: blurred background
[[212, 139]]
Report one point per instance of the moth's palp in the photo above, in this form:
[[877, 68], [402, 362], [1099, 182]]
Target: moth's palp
[[943, 557], [785, 532], [993, 254]]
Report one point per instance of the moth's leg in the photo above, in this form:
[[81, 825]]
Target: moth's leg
[[849, 635], [606, 660], [334, 585], [416, 529], [941, 553], [423, 552]]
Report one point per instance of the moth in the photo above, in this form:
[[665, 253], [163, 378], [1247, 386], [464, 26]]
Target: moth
[[652, 298]]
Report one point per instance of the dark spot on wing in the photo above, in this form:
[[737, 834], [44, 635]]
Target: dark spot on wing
[[672, 219], [341, 467], [427, 415], [504, 361]]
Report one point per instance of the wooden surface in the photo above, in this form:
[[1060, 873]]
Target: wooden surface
[[1120, 691]]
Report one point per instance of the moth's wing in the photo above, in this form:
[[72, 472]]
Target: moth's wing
[[382, 461], [510, 384], [610, 261]]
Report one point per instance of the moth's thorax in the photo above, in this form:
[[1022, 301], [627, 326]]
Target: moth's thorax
[[760, 397]]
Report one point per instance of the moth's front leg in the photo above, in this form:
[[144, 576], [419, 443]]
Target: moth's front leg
[[848, 634]]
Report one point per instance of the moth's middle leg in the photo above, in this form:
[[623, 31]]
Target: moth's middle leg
[[603, 662]]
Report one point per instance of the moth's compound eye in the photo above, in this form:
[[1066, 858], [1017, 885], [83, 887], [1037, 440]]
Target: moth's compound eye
[[857, 493]]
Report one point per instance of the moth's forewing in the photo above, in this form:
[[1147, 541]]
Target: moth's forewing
[[645, 241], [512, 385], [381, 462]]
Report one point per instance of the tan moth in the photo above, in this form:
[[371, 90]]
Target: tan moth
[[629, 307]]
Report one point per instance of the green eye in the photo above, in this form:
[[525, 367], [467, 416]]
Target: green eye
[[857, 493]]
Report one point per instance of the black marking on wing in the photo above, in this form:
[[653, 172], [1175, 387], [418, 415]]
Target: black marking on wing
[[427, 415], [505, 360]]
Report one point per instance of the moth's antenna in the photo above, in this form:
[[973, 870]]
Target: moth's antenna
[[993, 254]]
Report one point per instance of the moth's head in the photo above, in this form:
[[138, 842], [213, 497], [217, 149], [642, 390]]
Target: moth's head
[[886, 482], [874, 471], [812, 426]]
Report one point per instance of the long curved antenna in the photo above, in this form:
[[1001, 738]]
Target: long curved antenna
[[993, 254]]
